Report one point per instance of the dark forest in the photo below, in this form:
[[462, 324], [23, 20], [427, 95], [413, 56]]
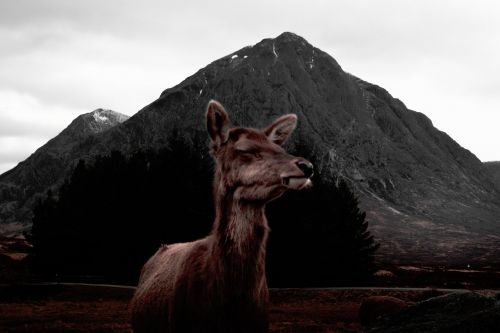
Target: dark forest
[[112, 214]]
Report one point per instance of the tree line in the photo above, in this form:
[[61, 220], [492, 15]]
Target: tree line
[[111, 215]]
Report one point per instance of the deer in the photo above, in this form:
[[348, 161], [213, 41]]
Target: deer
[[217, 284]]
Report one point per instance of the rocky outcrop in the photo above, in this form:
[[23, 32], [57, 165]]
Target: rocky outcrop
[[493, 169], [458, 312], [427, 198]]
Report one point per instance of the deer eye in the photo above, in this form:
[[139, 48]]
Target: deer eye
[[248, 154]]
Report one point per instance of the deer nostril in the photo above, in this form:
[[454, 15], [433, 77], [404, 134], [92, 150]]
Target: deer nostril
[[306, 167]]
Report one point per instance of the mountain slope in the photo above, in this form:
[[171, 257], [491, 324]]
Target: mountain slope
[[428, 198], [46, 166], [494, 171]]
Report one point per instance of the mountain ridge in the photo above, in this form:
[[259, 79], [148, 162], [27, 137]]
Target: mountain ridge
[[414, 180], [42, 169]]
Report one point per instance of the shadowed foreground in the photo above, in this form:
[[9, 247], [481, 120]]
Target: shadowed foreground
[[99, 309]]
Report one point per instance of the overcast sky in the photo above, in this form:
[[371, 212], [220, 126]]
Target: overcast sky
[[59, 59]]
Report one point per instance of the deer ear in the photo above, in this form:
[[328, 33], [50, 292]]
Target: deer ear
[[279, 131], [217, 122]]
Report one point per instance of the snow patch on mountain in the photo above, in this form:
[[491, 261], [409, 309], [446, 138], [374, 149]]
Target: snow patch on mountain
[[100, 116], [108, 116]]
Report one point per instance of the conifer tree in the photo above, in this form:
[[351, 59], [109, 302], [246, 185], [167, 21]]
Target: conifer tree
[[319, 239]]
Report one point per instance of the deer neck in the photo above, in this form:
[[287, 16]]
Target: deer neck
[[240, 232]]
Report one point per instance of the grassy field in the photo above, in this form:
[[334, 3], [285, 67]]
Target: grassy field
[[59, 308]]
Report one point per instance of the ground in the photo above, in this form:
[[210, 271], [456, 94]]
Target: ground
[[59, 308], [77, 308]]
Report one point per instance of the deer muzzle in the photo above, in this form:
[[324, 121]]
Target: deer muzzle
[[301, 178]]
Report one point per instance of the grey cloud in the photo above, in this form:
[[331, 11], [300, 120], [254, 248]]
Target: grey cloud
[[121, 54], [11, 127], [11, 157]]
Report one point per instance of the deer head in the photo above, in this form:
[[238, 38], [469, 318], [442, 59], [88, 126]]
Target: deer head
[[251, 162]]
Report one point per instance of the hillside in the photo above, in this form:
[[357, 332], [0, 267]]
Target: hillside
[[46, 167], [494, 171], [428, 199]]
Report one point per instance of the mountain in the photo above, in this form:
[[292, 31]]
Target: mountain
[[494, 171], [46, 167], [428, 199]]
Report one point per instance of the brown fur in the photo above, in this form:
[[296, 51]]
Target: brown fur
[[218, 283]]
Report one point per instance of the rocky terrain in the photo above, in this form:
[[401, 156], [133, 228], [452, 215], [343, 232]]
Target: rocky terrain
[[46, 167], [494, 171], [428, 199], [456, 312]]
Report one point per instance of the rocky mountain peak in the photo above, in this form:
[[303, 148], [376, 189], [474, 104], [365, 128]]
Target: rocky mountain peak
[[290, 37], [97, 121], [108, 116], [47, 166]]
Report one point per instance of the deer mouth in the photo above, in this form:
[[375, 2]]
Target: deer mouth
[[296, 183]]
